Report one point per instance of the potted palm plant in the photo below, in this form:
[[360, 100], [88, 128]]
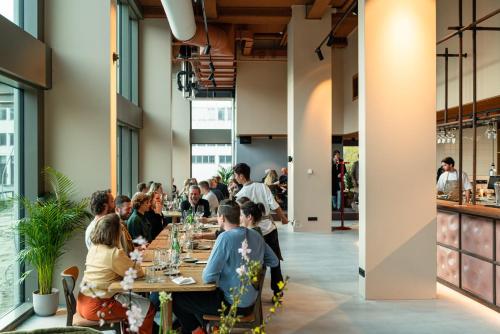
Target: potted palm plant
[[48, 224], [225, 174]]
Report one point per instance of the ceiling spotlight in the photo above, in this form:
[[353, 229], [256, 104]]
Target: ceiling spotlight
[[211, 65], [330, 40], [211, 77], [206, 51], [319, 53]]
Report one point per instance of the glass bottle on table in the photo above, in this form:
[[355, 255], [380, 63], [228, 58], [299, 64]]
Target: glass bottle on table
[[175, 248]]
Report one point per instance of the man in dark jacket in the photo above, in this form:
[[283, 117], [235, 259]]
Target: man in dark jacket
[[194, 201], [337, 171]]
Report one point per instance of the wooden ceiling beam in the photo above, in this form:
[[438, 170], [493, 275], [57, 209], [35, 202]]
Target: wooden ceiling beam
[[252, 15], [211, 9], [260, 3], [318, 9]]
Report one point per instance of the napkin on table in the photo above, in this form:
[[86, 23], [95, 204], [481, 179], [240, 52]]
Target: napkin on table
[[181, 280]]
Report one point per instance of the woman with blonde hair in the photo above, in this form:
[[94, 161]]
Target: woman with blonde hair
[[107, 263]]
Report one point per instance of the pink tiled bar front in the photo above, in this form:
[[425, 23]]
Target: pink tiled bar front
[[447, 228], [477, 235], [477, 277], [447, 265], [498, 282]]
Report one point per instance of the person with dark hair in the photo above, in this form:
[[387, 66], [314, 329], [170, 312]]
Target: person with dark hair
[[101, 203], [337, 171], [448, 185], [107, 263], [209, 195], [221, 186], [194, 201], [213, 188], [251, 215], [260, 193], [189, 307], [142, 187], [137, 223], [154, 215], [123, 208]]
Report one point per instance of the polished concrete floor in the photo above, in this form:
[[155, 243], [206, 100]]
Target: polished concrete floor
[[323, 296]]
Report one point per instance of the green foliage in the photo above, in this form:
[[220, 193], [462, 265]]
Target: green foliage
[[49, 223], [349, 185], [225, 174]]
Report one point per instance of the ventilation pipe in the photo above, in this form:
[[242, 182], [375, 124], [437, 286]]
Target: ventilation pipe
[[181, 18]]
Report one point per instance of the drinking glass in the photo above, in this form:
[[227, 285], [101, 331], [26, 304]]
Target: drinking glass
[[151, 274]]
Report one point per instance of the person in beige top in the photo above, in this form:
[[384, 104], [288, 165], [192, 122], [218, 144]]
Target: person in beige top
[[107, 263]]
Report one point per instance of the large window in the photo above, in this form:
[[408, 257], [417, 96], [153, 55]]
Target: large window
[[128, 51], [128, 160], [211, 127], [10, 290], [10, 9]]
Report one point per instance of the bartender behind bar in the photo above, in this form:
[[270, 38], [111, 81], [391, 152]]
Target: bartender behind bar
[[447, 184]]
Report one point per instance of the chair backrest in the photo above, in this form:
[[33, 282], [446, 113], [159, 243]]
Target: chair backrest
[[69, 277], [257, 307]]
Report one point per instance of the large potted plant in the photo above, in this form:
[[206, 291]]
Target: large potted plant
[[48, 224], [225, 174]]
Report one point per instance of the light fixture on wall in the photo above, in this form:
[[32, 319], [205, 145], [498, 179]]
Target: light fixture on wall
[[330, 38]]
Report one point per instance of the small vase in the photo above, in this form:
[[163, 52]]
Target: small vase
[[46, 305]]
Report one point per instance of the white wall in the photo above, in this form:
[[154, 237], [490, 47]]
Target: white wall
[[181, 125], [397, 236], [488, 50], [309, 123], [261, 98], [345, 66], [262, 154], [155, 148], [80, 122]]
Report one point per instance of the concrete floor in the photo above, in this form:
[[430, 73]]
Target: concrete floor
[[323, 296]]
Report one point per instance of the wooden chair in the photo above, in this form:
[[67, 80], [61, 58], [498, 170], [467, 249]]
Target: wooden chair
[[69, 277], [252, 320]]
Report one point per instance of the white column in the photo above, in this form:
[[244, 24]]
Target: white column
[[309, 123], [155, 153], [397, 123]]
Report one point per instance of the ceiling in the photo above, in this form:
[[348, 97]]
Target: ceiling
[[259, 30]]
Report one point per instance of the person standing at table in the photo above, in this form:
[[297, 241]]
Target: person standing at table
[[448, 181], [137, 224], [189, 307], [260, 193], [194, 201]]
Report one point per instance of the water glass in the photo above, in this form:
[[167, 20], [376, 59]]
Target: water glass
[[151, 274]]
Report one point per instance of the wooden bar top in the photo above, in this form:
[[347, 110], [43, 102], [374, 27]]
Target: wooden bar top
[[474, 210]]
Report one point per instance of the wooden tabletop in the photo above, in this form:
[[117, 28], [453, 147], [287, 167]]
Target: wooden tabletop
[[475, 210]]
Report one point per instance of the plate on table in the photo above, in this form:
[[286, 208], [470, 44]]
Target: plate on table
[[202, 262], [190, 260], [172, 272]]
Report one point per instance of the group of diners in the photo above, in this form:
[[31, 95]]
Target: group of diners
[[118, 221]]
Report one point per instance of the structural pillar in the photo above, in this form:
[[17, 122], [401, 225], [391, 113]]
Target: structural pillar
[[309, 123], [397, 126]]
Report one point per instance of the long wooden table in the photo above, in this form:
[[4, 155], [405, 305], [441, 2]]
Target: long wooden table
[[193, 270]]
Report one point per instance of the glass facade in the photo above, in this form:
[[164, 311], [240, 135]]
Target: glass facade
[[128, 160], [10, 10], [10, 295], [207, 158], [211, 114]]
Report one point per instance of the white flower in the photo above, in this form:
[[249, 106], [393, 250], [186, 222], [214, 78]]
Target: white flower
[[140, 241], [241, 270], [244, 250], [102, 322], [128, 279], [136, 256], [86, 286], [135, 318], [99, 293]]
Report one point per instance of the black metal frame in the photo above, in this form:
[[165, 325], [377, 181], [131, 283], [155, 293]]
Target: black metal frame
[[459, 30], [494, 261]]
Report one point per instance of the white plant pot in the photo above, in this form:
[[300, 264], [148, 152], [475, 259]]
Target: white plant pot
[[46, 305]]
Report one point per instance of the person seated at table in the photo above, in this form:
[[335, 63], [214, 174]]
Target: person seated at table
[[221, 186], [123, 208], [107, 263], [154, 215], [142, 187], [194, 201], [101, 203], [233, 188], [189, 307], [251, 215], [209, 195], [137, 223]]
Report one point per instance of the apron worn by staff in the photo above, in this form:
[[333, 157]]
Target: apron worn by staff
[[451, 188]]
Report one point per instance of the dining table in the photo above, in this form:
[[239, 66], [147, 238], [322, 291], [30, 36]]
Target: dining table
[[194, 270], [174, 214]]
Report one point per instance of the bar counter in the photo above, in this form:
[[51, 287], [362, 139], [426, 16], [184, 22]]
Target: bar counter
[[468, 250]]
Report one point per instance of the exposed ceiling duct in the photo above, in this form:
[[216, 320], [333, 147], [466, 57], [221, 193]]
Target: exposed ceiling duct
[[220, 42], [180, 16]]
